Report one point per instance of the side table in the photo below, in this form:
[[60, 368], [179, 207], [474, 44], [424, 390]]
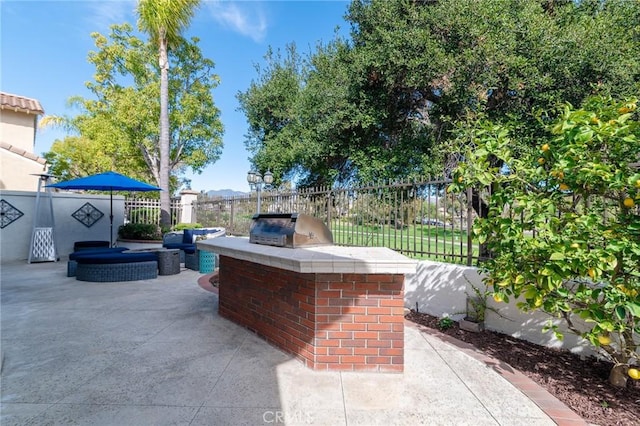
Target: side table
[[207, 261], [168, 262]]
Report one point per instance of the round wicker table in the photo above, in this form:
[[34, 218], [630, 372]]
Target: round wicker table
[[168, 259], [168, 262]]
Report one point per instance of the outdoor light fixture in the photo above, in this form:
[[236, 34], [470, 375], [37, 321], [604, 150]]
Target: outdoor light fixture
[[257, 182], [268, 178]]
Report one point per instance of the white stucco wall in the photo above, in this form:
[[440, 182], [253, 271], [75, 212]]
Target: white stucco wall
[[440, 289], [16, 237], [187, 199]]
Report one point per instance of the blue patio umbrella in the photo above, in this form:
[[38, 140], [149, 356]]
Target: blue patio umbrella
[[108, 181]]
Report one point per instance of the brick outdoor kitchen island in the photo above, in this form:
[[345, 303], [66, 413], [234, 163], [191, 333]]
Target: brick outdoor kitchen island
[[335, 308]]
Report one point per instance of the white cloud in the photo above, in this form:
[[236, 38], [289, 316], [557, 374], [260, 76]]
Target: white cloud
[[103, 14], [246, 18]]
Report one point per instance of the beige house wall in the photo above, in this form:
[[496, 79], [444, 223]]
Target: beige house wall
[[18, 162], [16, 171], [18, 128]]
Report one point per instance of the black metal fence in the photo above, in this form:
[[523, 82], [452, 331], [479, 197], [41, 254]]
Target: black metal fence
[[417, 218]]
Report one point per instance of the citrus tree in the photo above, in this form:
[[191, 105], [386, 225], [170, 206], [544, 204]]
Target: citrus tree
[[563, 227]]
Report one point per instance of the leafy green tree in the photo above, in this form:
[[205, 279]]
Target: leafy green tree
[[118, 128], [564, 224], [445, 62], [391, 101], [164, 21], [82, 155], [273, 136]]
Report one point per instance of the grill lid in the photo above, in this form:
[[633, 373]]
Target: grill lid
[[289, 230]]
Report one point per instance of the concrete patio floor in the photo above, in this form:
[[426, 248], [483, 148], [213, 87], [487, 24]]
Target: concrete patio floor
[[156, 352]]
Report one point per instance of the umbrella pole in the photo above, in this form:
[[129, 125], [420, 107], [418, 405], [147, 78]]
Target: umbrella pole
[[111, 221]]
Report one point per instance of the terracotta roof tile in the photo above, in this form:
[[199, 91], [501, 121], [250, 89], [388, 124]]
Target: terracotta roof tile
[[22, 152], [20, 103]]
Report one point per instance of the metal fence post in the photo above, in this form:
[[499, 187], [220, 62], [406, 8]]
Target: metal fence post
[[231, 216], [469, 227]]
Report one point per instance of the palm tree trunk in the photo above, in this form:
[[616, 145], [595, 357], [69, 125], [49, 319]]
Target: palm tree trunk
[[165, 194]]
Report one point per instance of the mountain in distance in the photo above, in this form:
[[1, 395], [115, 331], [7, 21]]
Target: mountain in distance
[[224, 193]]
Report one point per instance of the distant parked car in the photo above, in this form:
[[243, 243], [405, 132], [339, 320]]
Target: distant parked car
[[432, 222]]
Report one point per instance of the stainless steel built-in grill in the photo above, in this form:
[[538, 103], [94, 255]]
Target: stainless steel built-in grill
[[289, 230]]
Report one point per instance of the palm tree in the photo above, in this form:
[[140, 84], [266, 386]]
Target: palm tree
[[164, 21]]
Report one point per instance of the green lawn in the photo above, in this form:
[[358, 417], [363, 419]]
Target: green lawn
[[416, 241]]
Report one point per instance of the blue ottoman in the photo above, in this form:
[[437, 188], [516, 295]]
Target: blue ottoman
[[72, 264]]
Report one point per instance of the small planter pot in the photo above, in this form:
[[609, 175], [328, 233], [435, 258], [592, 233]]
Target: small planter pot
[[471, 325]]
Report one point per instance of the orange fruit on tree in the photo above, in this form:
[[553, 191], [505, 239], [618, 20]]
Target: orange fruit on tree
[[559, 174], [628, 202], [631, 292], [460, 179], [564, 187], [592, 273], [634, 373], [540, 160], [545, 147], [604, 340]]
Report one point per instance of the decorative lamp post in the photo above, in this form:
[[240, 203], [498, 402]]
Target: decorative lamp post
[[268, 179], [257, 181]]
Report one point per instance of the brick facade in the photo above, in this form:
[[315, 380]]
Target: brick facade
[[330, 321]]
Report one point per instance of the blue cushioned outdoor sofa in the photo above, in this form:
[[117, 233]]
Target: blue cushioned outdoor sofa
[[187, 246]]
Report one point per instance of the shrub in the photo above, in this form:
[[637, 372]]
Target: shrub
[[445, 323], [140, 231], [183, 226]]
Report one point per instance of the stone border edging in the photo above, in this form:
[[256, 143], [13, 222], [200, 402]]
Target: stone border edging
[[558, 411], [203, 281]]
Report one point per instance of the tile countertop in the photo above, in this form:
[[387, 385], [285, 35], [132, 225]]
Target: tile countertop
[[321, 259]]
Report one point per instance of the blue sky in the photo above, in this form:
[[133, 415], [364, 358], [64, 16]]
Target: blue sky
[[44, 46]]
